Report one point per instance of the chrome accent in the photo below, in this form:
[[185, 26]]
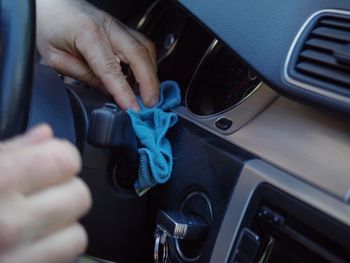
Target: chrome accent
[[200, 194], [169, 48], [180, 230], [255, 173], [309, 87], [257, 99], [145, 17], [206, 54], [249, 108], [202, 61], [157, 249], [176, 241]]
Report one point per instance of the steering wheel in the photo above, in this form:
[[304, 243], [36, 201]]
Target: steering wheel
[[17, 40]]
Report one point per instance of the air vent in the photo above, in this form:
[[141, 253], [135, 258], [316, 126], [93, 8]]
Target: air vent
[[320, 57]]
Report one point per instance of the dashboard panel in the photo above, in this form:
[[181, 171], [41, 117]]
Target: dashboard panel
[[262, 33], [238, 133], [226, 56]]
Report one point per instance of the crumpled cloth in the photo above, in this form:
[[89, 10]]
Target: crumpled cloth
[[151, 126]]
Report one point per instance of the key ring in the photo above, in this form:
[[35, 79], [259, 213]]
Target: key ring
[[157, 250]]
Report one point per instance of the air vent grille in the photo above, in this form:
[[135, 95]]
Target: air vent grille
[[316, 56]]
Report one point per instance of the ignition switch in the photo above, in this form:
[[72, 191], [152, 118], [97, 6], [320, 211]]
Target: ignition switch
[[182, 235], [177, 226]]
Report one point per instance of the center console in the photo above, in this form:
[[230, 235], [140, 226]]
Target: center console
[[274, 217]]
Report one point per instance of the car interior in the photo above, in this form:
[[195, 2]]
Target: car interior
[[261, 149]]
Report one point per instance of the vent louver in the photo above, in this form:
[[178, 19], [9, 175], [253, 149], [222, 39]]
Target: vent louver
[[321, 56]]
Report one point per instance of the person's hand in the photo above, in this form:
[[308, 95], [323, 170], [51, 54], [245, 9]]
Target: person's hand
[[40, 199], [85, 43]]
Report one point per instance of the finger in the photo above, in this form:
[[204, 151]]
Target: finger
[[39, 166], [62, 246], [94, 46], [55, 207], [74, 67], [35, 135], [42, 213], [138, 57], [147, 43]]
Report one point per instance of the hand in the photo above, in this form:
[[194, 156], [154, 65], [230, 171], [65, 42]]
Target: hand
[[85, 43], [40, 199]]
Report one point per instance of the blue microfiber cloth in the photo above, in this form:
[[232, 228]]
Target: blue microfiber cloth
[[151, 126]]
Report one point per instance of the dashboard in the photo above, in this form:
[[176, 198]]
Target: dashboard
[[229, 94], [262, 33], [261, 150], [214, 80], [230, 59]]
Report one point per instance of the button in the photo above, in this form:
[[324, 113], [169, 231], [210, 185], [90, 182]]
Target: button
[[271, 217], [223, 124]]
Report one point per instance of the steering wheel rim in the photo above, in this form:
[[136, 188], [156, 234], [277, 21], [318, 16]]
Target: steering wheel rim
[[17, 40]]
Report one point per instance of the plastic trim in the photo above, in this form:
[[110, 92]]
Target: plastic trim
[[300, 84], [240, 115]]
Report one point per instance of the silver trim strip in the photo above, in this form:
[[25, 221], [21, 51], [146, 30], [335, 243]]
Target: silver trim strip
[[240, 115], [290, 80], [145, 17], [207, 53], [195, 74], [255, 173]]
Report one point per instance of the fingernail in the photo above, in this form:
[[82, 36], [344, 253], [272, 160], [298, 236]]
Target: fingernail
[[42, 130], [151, 101], [135, 107], [154, 101]]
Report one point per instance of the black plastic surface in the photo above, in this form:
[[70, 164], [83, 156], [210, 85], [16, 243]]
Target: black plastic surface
[[343, 54], [17, 38], [220, 82], [247, 247], [125, 11], [203, 163], [111, 127], [119, 222], [262, 32]]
